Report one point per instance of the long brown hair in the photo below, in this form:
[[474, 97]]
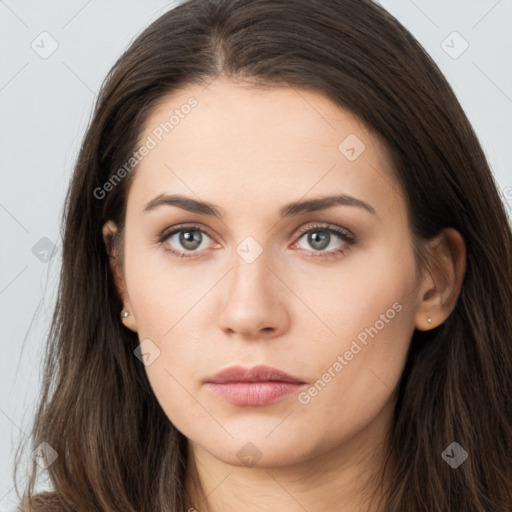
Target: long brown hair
[[117, 449]]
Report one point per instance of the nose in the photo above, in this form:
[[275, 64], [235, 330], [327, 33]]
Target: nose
[[254, 301]]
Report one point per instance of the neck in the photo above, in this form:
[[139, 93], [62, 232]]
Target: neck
[[345, 478]]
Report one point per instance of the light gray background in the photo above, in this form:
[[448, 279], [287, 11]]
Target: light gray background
[[45, 104]]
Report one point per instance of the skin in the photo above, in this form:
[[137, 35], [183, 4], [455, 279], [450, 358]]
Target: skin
[[251, 151]]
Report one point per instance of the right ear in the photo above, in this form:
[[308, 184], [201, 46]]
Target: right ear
[[109, 232]]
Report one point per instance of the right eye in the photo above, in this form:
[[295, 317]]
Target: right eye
[[184, 241]]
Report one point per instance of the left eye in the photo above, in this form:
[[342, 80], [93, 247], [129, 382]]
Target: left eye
[[320, 238]]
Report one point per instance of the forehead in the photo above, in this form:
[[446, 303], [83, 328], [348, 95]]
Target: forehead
[[237, 139]]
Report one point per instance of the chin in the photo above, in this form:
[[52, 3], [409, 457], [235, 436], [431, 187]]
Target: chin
[[259, 447]]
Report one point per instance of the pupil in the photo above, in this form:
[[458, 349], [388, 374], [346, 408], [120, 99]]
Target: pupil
[[319, 239], [190, 238]]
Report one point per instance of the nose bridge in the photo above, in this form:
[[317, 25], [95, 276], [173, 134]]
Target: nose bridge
[[250, 276], [252, 301]]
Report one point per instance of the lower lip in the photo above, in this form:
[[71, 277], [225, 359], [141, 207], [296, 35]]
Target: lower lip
[[253, 393]]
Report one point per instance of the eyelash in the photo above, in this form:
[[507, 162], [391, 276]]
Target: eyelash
[[343, 234]]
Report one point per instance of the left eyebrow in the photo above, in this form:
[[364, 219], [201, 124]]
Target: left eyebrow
[[290, 209], [321, 203]]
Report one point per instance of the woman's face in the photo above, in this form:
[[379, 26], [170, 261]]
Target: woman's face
[[327, 293]]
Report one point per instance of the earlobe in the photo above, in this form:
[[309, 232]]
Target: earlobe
[[128, 320], [109, 232], [443, 280]]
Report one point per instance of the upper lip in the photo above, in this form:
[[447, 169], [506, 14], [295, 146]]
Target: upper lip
[[259, 373]]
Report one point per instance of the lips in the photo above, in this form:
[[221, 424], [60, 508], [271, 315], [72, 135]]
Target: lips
[[257, 386], [259, 373]]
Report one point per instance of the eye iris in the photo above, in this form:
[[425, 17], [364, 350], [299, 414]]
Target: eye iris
[[190, 239], [319, 239]]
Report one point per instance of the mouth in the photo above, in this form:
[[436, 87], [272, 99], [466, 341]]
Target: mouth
[[257, 386]]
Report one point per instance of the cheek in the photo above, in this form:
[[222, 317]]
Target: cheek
[[170, 303], [162, 292], [372, 290], [369, 308]]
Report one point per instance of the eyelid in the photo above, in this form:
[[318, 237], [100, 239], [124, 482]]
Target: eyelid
[[167, 232], [344, 232]]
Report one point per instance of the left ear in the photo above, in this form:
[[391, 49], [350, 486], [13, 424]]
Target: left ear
[[443, 279]]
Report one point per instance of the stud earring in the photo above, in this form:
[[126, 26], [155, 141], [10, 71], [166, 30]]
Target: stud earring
[[429, 320], [124, 314]]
